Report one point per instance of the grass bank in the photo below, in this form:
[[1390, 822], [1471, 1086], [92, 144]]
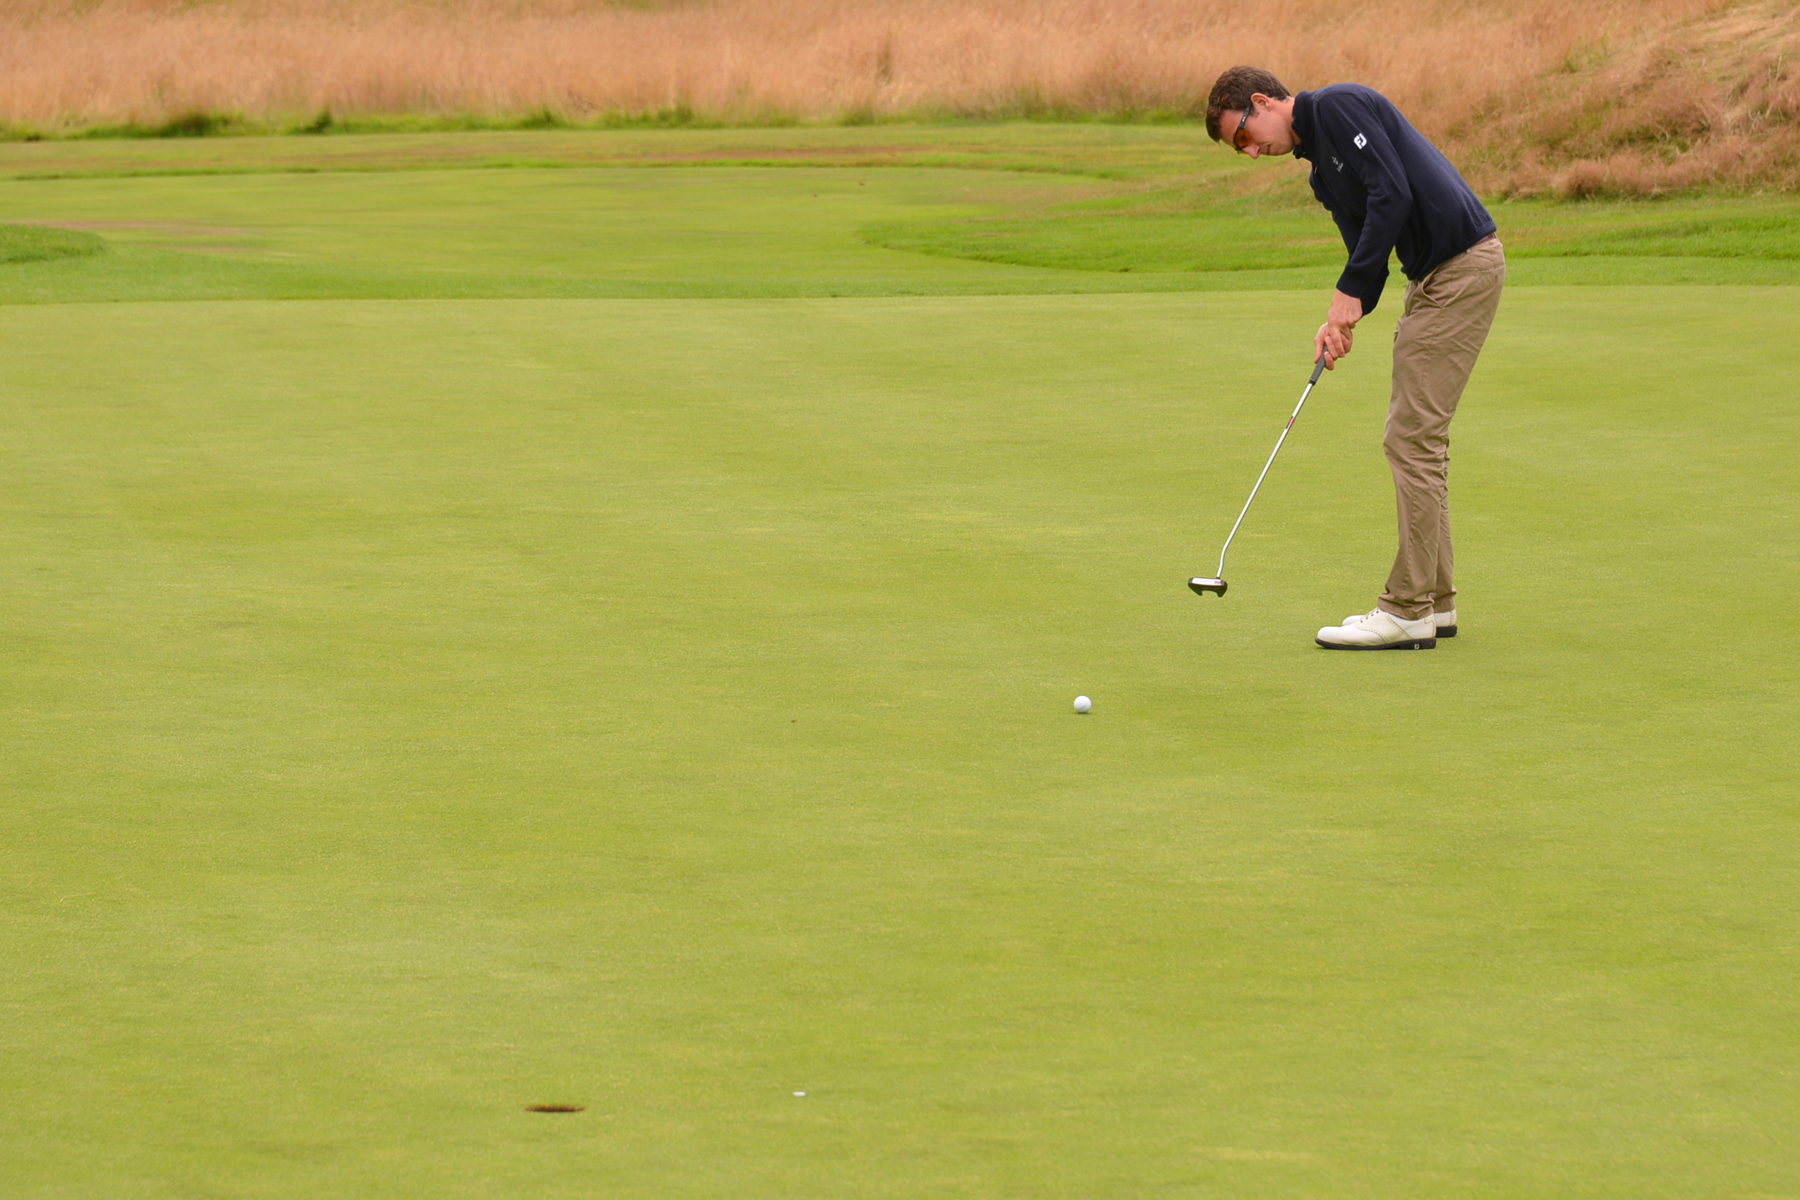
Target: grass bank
[[888, 210]]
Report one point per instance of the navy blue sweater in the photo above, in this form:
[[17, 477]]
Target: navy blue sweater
[[1387, 188]]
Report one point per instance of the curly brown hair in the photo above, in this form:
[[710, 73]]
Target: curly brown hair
[[1234, 89]]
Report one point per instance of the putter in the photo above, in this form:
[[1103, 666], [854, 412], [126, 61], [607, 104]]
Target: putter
[[1216, 584]]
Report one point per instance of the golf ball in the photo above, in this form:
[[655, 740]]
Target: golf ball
[[1082, 704]]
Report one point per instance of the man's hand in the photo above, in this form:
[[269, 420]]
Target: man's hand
[[1336, 335]]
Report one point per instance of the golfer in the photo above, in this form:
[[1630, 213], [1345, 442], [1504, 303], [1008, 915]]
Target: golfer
[[1389, 190]]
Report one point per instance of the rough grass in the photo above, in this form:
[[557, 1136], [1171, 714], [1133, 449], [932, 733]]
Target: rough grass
[[1536, 97], [1680, 106]]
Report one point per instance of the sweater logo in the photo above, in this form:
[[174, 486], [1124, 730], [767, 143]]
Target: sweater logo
[[1337, 162], [1360, 141]]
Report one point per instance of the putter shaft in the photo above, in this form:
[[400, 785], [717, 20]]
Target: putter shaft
[[1318, 369]]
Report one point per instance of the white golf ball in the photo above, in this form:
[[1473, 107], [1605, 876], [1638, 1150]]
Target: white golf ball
[[1082, 704]]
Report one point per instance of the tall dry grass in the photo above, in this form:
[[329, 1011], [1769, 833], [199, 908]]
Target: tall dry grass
[[1714, 100], [1466, 70]]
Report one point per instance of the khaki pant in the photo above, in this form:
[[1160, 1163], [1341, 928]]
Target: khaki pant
[[1446, 320]]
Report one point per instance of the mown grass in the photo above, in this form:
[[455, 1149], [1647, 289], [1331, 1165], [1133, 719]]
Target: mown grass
[[451, 691], [1204, 233], [567, 213], [36, 243]]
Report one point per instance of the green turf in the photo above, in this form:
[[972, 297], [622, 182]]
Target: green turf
[[1193, 231], [970, 210], [1096, 151], [415, 709], [37, 243]]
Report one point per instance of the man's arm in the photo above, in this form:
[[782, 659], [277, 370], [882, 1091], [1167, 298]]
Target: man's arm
[[1357, 128], [1370, 241]]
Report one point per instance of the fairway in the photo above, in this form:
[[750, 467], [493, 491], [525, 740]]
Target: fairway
[[479, 638]]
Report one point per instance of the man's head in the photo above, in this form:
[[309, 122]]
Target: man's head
[[1253, 111]]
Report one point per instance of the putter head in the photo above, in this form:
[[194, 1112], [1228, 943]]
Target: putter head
[[1203, 586]]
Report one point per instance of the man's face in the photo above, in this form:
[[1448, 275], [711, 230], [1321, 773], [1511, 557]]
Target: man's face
[[1267, 130]]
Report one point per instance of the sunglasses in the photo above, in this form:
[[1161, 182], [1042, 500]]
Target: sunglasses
[[1240, 138]]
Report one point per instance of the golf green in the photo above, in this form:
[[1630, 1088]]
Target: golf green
[[416, 709]]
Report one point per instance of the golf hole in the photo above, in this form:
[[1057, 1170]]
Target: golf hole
[[553, 1108]]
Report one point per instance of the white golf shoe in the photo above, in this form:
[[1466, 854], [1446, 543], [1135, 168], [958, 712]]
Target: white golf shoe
[[1445, 622], [1379, 630]]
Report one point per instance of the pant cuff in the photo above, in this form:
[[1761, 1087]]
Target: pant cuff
[[1392, 608]]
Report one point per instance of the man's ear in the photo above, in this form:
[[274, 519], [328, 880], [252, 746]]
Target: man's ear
[[1259, 101]]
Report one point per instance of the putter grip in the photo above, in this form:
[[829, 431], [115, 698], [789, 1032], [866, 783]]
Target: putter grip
[[1318, 369]]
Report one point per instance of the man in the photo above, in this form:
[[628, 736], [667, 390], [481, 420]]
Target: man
[[1389, 190]]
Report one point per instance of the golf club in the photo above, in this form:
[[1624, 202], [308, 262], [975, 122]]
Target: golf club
[[1216, 585]]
